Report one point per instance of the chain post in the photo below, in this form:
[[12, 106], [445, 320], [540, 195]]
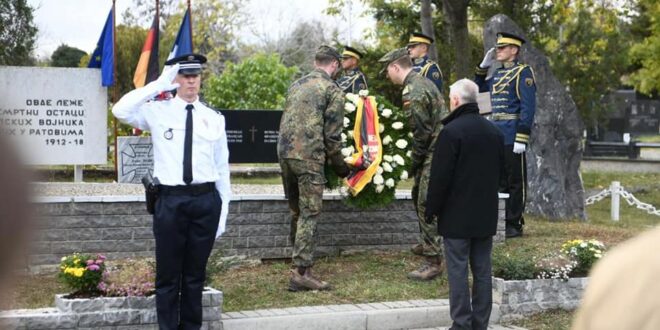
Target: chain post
[[615, 188]]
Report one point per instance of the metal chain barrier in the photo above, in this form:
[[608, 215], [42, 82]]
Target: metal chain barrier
[[629, 197], [632, 200], [598, 197]]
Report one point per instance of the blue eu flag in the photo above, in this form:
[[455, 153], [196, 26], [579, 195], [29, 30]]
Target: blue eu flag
[[104, 56], [183, 44]]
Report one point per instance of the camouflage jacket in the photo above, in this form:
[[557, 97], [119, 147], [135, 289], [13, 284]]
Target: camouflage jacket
[[312, 121], [424, 106]]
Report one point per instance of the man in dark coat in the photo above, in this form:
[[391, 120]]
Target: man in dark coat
[[467, 166]]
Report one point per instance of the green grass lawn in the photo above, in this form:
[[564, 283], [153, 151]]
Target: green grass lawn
[[370, 277]]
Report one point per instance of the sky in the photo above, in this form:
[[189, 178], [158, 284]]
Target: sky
[[78, 23]]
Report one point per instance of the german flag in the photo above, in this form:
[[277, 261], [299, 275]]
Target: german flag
[[147, 67]]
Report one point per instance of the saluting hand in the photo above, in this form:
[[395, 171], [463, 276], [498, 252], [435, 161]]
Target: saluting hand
[[488, 59], [166, 80]]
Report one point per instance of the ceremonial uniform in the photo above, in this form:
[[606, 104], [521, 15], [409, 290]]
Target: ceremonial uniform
[[422, 64], [353, 80], [310, 133], [429, 70], [424, 107], [512, 89], [191, 164]]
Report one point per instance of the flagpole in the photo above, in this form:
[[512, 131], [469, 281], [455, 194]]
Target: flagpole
[[115, 87], [192, 48]]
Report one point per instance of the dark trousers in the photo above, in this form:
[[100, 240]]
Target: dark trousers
[[516, 186], [184, 228], [477, 252]]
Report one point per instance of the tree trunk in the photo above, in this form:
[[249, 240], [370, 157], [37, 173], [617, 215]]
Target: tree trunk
[[426, 15], [455, 12]]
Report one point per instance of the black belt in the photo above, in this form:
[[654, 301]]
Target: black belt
[[192, 189]]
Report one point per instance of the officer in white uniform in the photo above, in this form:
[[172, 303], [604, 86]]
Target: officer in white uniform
[[191, 164]]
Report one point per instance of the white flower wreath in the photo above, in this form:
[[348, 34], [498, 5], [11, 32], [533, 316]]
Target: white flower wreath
[[395, 136]]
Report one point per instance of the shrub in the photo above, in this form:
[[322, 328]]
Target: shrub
[[257, 82], [509, 265], [82, 273], [585, 253]]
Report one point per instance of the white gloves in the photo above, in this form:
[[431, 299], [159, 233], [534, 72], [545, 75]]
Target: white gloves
[[488, 59], [166, 80], [519, 148]]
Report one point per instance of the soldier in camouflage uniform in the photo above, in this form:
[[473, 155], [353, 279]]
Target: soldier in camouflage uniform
[[310, 133], [424, 106]]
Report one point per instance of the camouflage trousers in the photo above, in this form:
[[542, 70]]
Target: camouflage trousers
[[429, 236], [303, 187]]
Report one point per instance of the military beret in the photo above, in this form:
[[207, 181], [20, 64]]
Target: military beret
[[328, 51], [188, 64], [504, 39], [419, 38], [351, 52]]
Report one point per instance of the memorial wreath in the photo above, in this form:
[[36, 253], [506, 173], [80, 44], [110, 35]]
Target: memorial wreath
[[378, 140]]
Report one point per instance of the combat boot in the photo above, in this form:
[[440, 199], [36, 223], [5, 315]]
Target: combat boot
[[302, 279], [430, 269], [418, 249]]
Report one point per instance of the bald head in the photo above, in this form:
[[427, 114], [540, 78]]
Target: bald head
[[462, 92]]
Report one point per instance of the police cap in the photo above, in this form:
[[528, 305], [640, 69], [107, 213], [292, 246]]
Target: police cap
[[504, 39], [188, 64], [419, 38], [351, 52]]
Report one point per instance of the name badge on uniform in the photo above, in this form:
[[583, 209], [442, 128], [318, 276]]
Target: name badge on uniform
[[168, 135]]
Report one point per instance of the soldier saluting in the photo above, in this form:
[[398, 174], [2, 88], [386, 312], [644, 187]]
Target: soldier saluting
[[353, 79], [513, 100], [418, 47]]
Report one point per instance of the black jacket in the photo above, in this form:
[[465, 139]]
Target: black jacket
[[468, 163]]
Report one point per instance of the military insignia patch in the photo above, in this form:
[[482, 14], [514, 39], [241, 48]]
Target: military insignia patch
[[436, 75], [529, 82]]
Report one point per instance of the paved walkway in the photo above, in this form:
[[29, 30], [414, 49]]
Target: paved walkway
[[411, 314]]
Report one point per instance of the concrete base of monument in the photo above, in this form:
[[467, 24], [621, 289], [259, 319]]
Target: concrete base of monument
[[258, 226]]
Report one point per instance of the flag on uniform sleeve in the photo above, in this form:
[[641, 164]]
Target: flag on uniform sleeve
[[103, 56], [147, 67], [183, 44], [368, 146]]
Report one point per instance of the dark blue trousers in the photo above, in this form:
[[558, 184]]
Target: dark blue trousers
[[184, 227], [469, 311]]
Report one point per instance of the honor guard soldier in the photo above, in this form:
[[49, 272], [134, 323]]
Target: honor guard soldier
[[418, 47], [424, 107], [512, 90], [353, 79], [310, 134], [191, 164]]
